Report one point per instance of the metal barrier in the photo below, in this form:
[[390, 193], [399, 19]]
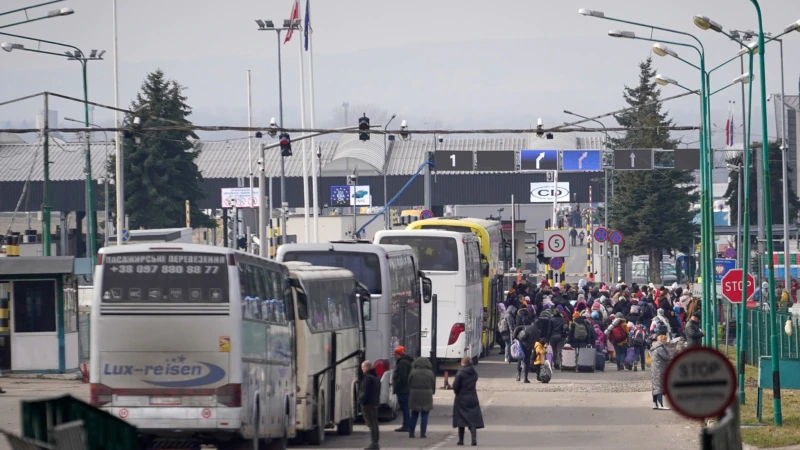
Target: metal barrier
[[84, 334], [726, 433], [757, 344]]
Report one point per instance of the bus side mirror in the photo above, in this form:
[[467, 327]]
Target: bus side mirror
[[484, 266], [366, 308], [427, 290]]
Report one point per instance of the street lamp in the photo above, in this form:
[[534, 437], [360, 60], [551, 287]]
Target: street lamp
[[75, 55], [50, 14], [268, 25], [707, 231], [386, 225], [105, 180]]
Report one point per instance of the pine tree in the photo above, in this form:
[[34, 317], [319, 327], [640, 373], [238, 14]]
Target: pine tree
[[652, 208], [160, 168], [776, 188]]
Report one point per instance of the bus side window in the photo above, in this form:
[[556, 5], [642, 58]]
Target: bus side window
[[302, 300]]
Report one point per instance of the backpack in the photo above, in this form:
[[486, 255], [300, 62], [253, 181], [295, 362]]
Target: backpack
[[618, 335], [515, 350], [638, 337], [503, 325], [580, 332], [522, 336]]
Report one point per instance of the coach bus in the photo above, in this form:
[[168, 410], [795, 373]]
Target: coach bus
[[329, 323], [391, 275], [490, 233], [196, 342], [452, 261]]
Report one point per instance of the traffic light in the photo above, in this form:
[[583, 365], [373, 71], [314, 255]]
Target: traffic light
[[363, 127], [540, 257], [286, 144]]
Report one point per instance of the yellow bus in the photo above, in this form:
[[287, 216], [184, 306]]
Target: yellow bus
[[490, 232]]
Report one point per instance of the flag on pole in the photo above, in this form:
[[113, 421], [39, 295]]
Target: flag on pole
[[731, 133], [295, 15], [728, 127], [307, 23]]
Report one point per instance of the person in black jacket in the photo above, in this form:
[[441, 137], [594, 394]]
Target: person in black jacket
[[694, 335], [369, 399], [466, 407], [402, 369]]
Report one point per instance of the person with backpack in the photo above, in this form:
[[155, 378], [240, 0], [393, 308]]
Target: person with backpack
[[540, 350], [581, 335], [558, 334], [526, 335], [617, 334], [506, 325], [543, 323], [639, 343]]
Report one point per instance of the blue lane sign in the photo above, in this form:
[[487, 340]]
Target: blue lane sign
[[126, 235], [538, 159], [581, 160], [722, 266], [556, 263]]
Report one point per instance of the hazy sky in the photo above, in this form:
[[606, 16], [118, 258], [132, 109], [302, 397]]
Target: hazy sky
[[465, 63]]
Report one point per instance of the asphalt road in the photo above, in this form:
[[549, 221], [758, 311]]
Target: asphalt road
[[573, 411]]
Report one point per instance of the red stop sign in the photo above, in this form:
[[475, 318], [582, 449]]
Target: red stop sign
[[732, 285]]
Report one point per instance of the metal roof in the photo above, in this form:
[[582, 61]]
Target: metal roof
[[66, 160], [229, 159], [37, 265]]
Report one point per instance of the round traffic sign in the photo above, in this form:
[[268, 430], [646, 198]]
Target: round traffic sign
[[206, 413], [732, 285], [556, 243], [700, 383], [556, 263], [426, 214], [123, 413], [600, 234], [730, 252], [615, 237]]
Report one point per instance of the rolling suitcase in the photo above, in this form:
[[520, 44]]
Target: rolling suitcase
[[587, 359], [600, 361], [567, 358]]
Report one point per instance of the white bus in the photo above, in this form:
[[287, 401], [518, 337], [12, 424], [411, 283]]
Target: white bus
[[194, 342], [452, 261], [329, 323], [390, 274]]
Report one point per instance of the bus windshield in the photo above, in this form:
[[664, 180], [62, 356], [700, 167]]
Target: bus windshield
[[365, 266], [434, 253], [169, 277]]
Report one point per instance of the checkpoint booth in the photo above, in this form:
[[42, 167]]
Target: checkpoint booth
[[39, 313]]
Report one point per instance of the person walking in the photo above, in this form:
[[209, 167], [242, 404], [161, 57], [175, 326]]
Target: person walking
[[400, 374], [660, 358], [617, 334], [369, 399], [581, 237], [421, 386], [573, 234], [694, 334], [526, 335], [466, 407], [558, 334]]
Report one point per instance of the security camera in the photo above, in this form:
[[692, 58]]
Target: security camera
[[259, 135], [404, 134], [137, 122], [441, 140], [273, 125]]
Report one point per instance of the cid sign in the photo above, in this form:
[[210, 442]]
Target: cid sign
[[732, 285]]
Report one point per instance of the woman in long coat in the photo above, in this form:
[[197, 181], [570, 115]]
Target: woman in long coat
[[421, 385], [660, 356], [466, 408]]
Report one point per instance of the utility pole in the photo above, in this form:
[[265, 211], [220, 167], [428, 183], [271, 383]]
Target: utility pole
[[46, 200]]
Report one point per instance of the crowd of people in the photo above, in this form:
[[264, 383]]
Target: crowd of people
[[620, 322]]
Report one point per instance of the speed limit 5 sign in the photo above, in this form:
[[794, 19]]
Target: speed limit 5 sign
[[556, 244]]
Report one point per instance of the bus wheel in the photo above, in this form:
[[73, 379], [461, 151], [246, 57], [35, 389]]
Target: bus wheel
[[317, 435]]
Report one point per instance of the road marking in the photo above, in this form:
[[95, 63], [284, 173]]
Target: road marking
[[453, 434]]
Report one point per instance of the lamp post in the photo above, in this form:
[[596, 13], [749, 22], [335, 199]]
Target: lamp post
[[268, 25], [50, 14], [386, 225], [105, 180], [706, 224], [75, 55], [604, 255], [759, 47]]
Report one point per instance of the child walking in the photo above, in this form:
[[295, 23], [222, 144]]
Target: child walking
[[541, 353]]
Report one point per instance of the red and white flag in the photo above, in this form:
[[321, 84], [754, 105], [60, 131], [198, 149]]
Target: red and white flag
[[295, 15]]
